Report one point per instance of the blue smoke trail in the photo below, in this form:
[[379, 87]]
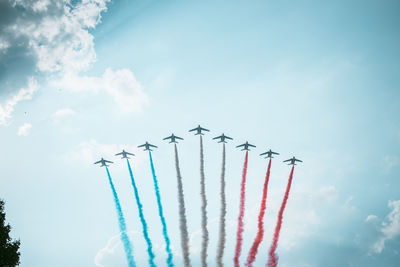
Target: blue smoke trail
[[122, 225], [160, 212], [142, 220]]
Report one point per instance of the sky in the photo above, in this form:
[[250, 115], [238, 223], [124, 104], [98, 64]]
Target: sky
[[84, 79]]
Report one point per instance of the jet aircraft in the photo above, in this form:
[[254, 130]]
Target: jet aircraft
[[124, 154], [246, 146], [222, 138], [103, 162], [173, 138], [292, 161], [147, 146], [269, 154], [199, 129]]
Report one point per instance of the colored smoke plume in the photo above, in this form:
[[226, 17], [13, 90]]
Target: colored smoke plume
[[161, 213], [142, 219], [122, 225], [273, 257], [260, 234]]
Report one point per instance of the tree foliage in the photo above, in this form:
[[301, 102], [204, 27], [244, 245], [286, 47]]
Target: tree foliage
[[9, 254]]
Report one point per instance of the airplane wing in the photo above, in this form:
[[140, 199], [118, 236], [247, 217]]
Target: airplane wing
[[240, 145], [130, 153], [195, 129], [298, 160], [98, 162], [142, 145], [275, 153], [180, 138], [227, 137], [265, 153], [152, 145], [120, 153], [108, 161], [169, 137], [218, 137], [287, 160], [204, 129], [251, 145]]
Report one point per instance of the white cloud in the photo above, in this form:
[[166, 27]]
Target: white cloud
[[121, 85], [4, 45], [58, 32], [61, 113], [7, 108], [41, 5], [371, 218], [125, 89], [24, 129], [390, 228], [348, 204], [113, 243]]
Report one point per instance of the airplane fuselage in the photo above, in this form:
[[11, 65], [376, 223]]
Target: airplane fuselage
[[199, 132]]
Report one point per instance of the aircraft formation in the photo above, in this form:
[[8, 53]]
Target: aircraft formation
[[185, 244], [199, 131]]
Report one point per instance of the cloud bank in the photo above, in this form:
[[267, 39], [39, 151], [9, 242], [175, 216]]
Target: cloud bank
[[390, 228], [55, 34], [51, 39]]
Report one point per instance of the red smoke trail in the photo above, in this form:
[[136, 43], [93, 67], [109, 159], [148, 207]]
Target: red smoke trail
[[239, 233], [273, 257], [259, 237]]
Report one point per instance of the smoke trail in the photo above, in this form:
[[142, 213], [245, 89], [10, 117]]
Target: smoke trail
[[222, 233], [122, 225], [259, 237], [203, 208], [182, 214], [273, 257], [239, 238], [161, 213], [142, 220]]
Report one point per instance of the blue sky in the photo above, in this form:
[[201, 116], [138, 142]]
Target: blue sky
[[311, 79]]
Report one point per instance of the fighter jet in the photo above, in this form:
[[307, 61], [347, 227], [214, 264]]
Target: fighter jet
[[222, 138], [269, 154], [246, 146], [292, 161], [173, 138], [199, 129], [103, 162], [124, 154], [147, 146]]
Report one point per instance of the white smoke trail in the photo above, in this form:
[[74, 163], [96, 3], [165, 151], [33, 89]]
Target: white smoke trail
[[222, 233], [203, 208], [182, 214]]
